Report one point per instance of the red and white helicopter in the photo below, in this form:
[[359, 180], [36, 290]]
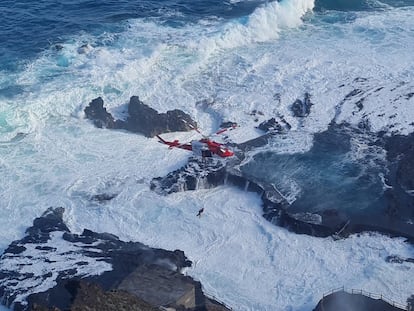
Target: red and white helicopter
[[204, 147]]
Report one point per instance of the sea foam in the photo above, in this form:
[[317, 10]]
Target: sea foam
[[51, 156]]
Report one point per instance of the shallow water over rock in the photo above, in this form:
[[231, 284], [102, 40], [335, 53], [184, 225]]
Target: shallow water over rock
[[347, 172], [326, 177]]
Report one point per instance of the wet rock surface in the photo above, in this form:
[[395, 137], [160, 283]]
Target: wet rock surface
[[273, 125], [211, 172], [52, 268], [346, 160], [196, 174], [101, 118], [301, 108], [318, 214], [141, 118]]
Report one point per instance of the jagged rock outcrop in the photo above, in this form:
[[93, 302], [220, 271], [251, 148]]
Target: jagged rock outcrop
[[96, 112], [275, 126], [52, 268], [301, 108], [393, 197], [141, 118], [196, 174]]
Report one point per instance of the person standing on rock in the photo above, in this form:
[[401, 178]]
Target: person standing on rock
[[200, 212]]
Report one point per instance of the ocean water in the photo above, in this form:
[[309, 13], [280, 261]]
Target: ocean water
[[239, 56]]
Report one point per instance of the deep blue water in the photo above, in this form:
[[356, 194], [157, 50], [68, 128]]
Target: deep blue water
[[29, 27]]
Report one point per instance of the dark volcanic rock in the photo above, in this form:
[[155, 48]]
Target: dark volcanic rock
[[324, 206], [275, 126], [91, 297], [54, 268], [396, 259], [301, 108], [141, 119], [353, 93], [171, 283], [196, 174], [40, 231], [99, 115], [228, 124], [336, 175], [103, 197], [211, 172]]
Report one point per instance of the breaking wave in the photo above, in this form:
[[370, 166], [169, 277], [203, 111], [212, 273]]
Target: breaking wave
[[264, 24], [360, 5]]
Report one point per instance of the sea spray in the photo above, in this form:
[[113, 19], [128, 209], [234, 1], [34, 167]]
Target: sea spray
[[264, 24]]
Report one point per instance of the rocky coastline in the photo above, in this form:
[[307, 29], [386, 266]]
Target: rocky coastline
[[141, 118], [52, 268], [395, 220]]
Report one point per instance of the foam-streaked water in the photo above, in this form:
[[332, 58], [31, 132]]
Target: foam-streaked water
[[323, 179], [240, 56]]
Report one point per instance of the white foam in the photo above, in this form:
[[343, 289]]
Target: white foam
[[264, 24], [62, 160], [245, 261], [272, 267], [70, 160], [39, 262], [177, 67]]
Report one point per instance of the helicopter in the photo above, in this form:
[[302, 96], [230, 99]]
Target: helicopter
[[205, 147]]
